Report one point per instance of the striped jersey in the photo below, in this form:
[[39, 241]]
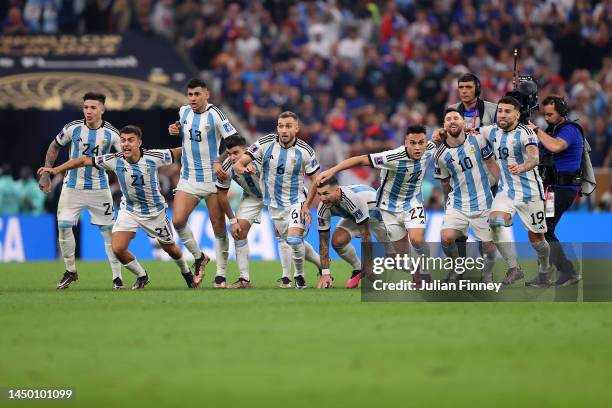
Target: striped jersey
[[250, 183], [202, 134], [138, 181], [87, 142], [357, 203], [465, 165], [511, 147], [401, 178], [283, 169]]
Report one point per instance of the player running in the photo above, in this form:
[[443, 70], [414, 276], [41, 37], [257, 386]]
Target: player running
[[461, 164], [142, 205], [86, 187], [202, 127], [399, 197], [356, 205], [520, 187], [285, 159], [249, 212]]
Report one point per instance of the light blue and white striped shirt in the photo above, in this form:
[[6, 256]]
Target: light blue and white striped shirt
[[88, 142], [202, 134], [465, 165], [139, 181], [357, 203], [511, 147], [283, 169], [401, 178], [250, 183]]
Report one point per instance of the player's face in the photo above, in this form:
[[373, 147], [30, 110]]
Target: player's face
[[551, 116], [287, 128], [467, 91], [130, 146], [454, 124], [415, 145], [92, 110], [198, 98], [235, 153], [507, 116], [328, 195]]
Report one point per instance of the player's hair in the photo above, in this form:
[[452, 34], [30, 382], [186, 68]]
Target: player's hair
[[288, 114], [95, 96], [195, 82], [451, 109], [509, 100], [414, 129], [132, 129], [558, 102], [332, 181], [235, 140]]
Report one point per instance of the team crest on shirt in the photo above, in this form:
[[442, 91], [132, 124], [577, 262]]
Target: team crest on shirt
[[471, 149], [358, 214], [228, 127], [253, 148]]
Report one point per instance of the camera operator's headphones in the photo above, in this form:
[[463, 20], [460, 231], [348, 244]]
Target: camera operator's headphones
[[561, 106], [469, 77]]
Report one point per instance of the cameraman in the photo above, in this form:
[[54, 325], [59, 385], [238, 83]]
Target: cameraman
[[561, 158]]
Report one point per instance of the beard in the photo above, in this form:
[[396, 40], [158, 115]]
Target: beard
[[454, 133]]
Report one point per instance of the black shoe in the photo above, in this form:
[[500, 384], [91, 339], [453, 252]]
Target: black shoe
[[567, 280], [300, 282], [118, 283], [284, 283], [219, 282], [354, 273], [199, 265], [513, 275], [540, 281], [67, 279], [141, 282], [189, 280]]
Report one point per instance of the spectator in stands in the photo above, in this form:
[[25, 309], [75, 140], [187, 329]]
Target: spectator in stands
[[10, 192], [265, 110], [14, 23], [32, 199]]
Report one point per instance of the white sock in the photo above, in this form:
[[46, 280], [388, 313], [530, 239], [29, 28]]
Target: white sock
[[284, 251], [136, 268], [297, 253], [242, 257], [311, 255], [114, 262], [186, 235], [506, 249], [67, 247], [182, 264], [349, 254], [222, 251], [543, 250]]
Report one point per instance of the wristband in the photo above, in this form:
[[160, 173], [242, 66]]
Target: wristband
[[324, 271], [233, 221], [536, 130]]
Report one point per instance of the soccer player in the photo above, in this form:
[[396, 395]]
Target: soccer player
[[285, 159], [202, 127], [142, 205], [356, 205], [520, 187], [461, 164], [249, 212], [399, 197], [85, 187]]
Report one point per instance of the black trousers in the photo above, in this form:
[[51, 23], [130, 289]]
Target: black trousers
[[564, 198]]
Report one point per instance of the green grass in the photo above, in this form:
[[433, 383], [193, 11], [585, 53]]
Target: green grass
[[169, 346]]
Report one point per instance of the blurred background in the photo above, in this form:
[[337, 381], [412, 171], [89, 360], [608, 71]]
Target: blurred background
[[356, 72]]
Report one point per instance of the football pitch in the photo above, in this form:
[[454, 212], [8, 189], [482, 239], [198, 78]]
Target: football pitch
[[263, 347]]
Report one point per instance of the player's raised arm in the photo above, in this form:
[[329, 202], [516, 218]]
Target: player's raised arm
[[344, 165], [70, 164], [242, 165], [175, 129]]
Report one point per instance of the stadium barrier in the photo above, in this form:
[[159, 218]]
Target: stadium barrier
[[33, 238]]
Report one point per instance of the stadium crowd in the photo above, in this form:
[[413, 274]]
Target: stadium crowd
[[359, 72]]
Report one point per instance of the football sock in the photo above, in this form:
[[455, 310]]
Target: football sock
[[242, 257], [135, 267], [67, 248], [222, 252], [114, 262], [186, 235]]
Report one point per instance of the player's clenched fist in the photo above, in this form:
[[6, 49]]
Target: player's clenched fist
[[175, 129]]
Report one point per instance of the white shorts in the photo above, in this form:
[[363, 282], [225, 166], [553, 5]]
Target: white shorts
[[376, 226], [531, 213], [157, 227], [479, 221], [199, 189], [288, 217], [398, 223], [250, 208], [72, 201]]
